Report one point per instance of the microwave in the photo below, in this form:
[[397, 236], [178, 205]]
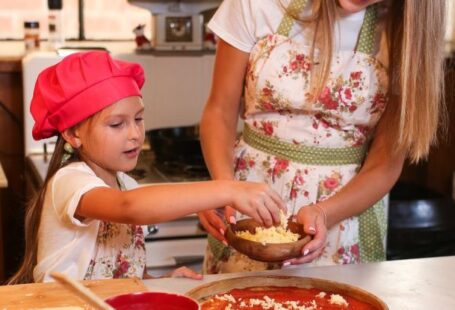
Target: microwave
[[177, 31]]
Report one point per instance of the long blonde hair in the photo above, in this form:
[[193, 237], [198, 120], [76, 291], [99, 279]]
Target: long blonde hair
[[415, 41], [33, 216]]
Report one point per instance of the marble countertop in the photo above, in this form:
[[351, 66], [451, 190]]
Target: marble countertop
[[411, 284]]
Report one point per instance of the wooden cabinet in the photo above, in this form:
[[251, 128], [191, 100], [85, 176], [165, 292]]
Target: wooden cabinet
[[12, 159]]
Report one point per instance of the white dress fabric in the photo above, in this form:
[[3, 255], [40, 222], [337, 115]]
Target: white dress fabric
[[70, 246], [277, 107]]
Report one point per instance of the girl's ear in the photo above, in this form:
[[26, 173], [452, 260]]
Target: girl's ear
[[70, 135]]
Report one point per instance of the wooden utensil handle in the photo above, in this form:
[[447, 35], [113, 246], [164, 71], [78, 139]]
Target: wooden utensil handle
[[81, 291]]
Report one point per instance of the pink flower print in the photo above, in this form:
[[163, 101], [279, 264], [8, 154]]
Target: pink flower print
[[285, 69], [379, 102], [267, 106], [122, 267], [251, 163], [266, 91], [298, 180], [348, 93], [352, 108], [241, 164], [331, 183], [356, 75], [293, 194], [355, 250], [280, 165], [267, 127], [327, 100]]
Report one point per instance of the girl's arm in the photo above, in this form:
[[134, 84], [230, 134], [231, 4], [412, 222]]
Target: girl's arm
[[219, 124], [160, 203], [380, 171]]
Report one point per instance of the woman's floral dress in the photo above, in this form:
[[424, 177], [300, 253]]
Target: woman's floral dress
[[120, 252], [344, 116]]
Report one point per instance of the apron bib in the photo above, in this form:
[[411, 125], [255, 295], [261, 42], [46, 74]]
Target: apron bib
[[309, 151], [120, 251]]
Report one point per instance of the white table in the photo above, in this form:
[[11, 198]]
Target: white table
[[427, 283]]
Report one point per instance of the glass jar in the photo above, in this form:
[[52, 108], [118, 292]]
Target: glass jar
[[31, 35]]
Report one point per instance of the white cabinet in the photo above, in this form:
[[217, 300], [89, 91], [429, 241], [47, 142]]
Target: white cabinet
[[176, 87]]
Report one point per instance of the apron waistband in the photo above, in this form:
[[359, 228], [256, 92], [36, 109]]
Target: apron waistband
[[310, 155]]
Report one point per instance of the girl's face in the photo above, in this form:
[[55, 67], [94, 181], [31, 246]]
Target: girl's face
[[354, 6], [111, 140]]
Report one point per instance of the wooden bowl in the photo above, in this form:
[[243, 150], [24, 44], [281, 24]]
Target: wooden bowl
[[269, 252], [152, 301], [206, 291]]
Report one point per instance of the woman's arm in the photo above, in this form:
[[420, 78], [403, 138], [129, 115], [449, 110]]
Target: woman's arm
[[380, 171], [219, 123], [159, 203]]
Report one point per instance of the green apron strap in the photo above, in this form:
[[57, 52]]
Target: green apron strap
[[288, 21], [366, 41], [372, 233]]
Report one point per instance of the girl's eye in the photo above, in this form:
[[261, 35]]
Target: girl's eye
[[116, 125], [139, 119]]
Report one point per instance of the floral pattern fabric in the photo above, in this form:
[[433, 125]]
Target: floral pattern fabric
[[278, 105], [120, 252]]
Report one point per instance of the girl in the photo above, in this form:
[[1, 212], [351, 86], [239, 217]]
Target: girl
[[337, 95], [85, 221]]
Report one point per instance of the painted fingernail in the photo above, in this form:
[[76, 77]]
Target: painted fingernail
[[224, 242], [306, 252], [312, 229], [232, 220], [285, 264], [222, 231]]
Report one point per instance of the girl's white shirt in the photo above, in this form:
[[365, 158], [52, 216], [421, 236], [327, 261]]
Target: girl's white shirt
[[66, 244], [241, 23]]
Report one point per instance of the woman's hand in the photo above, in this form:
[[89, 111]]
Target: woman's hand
[[314, 221], [183, 272]]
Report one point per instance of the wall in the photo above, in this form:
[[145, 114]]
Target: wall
[[113, 19]]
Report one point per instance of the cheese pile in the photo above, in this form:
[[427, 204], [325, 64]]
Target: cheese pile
[[274, 234], [270, 303]]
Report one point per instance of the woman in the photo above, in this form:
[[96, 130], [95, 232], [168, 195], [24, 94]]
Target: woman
[[334, 104]]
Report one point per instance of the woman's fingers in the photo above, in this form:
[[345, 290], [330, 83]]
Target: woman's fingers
[[213, 224]]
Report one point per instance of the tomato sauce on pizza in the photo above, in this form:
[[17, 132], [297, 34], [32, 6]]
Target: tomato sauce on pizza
[[293, 298]]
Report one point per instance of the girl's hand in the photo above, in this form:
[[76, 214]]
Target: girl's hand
[[257, 200], [314, 222], [183, 272]]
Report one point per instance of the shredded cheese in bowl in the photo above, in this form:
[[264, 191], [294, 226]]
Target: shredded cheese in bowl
[[274, 234]]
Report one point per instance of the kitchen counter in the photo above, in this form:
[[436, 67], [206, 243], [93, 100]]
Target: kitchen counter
[[402, 284]]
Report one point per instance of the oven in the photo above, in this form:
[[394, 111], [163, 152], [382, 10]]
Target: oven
[[170, 244]]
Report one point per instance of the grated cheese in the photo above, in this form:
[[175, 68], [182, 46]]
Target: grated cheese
[[336, 299], [274, 234]]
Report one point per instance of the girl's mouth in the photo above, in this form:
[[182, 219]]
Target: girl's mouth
[[132, 153]]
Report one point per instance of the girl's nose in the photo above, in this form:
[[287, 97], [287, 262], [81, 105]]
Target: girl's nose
[[134, 132]]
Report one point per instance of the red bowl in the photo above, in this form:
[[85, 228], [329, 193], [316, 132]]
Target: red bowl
[[152, 301]]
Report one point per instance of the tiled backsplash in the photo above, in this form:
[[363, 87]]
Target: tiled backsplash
[[104, 19]]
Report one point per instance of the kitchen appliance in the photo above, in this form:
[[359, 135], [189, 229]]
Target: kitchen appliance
[[174, 31], [179, 24]]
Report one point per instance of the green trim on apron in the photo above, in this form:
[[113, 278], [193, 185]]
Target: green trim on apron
[[367, 39], [288, 21], [310, 155]]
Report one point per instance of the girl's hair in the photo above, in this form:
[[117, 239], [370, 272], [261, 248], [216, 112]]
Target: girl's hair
[[33, 217], [415, 47]]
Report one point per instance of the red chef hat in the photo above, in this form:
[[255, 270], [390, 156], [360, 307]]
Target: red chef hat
[[79, 86]]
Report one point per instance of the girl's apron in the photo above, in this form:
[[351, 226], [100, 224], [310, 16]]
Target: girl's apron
[[309, 151], [120, 251]]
